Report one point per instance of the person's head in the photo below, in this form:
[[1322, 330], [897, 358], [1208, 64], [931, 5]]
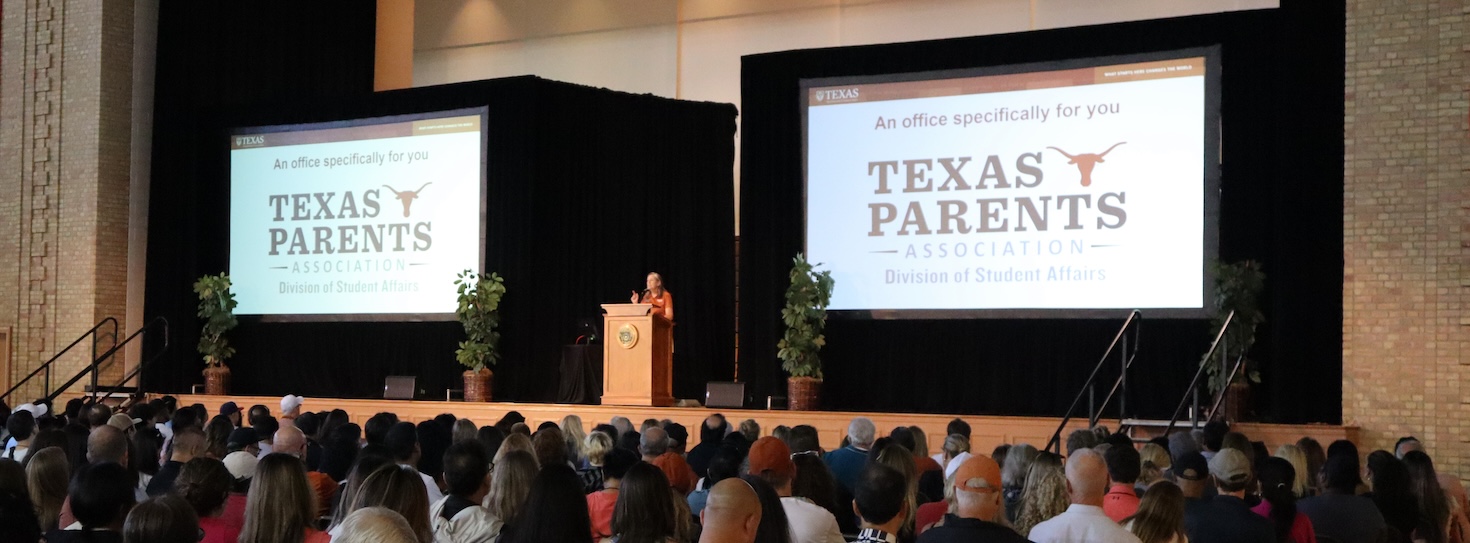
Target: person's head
[[291, 406], [648, 423], [770, 460], [510, 483], [258, 411], [617, 462], [713, 429], [467, 470], [1123, 463], [732, 513], [622, 424], [813, 479], [21, 425], [977, 489], [1087, 477], [516, 442], [1081, 439], [464, 430], [217, 436], [678, 436], [231, 412], [183, 418], [958, 426], [98, 414], [655, 282], [645, 508], [1424, 482], [1181, 443], [107, 444], [654, 442], [1238, 441], [550, 446], [878, 496], [243, 439], [339, 451], [1160, 515], [510, 419], [369, 459], [491, 437], [921, 441], [280, 504], [1343, 447], [47, 475], [902, 436], [242, 466], [1231, 470], [1341, 474], [556, 508], [1214, 435], [402, 440], [165, 519], [954, 445], [596, 446], [1316, 457], [750, 429], [804, 438], [1153, 463], [1406, 444], [1276, 477], [1298, 460], [398, 488], [861, 432], [1045, 493], [265, 428], [575, 433], [1017, 462], [188, 443], [376, 525], [101, 495], [774, 526], [1192, 473], [204, 483], [375, 430], [434, 439]]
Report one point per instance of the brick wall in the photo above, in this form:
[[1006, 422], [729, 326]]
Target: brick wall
[[65, 131], [1406, 232]]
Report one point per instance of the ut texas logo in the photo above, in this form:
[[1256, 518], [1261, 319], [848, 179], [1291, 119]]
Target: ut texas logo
[[1086, 162], [407, 196]]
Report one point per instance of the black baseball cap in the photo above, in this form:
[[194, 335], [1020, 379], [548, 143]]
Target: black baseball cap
[[229, 408], [242, 438], [1190, 466]]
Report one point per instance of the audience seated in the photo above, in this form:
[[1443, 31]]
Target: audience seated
[[954, 427], [814, 482], [1013, 471], [205, 484], [1153, 465], [1278, 501], [510, 483], [100, 496], [554, 511], [1338, 512], [21, 426], [978, 513], [1084, 520], [847, 462], [1441, 519], [164, 519], [188, 443], [774, 527], [1227, 517], [1124, 463], [1045, 493], [732, 513], [654, 444], [645, 511], [550, 447], [595, 447], [47, 475], [711, 433], [602, 503], [575, 434], [955, 451], [770, 460], [280, 506], [17, 515], [1393, 495], [398, 488], [460, 517], [1160, 515], [878, 500], [403, 441], [375, 525]]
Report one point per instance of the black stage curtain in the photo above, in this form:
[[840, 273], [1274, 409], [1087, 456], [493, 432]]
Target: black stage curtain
[[588, 189], [1281, 181]]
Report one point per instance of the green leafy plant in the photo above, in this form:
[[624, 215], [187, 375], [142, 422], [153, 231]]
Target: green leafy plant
[[479, 312], [805, 316], [217, 309], [1238, 288]]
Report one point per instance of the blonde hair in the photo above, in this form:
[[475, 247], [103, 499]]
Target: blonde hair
[[954, 445], [1045, 494], [1153, 462], [47, 474], [376, 525], [280, 505], [574, 432], [596, 445], [400, 489], [1298, 458], [921, 441], [899, 458], [516, 442], [510, 485]]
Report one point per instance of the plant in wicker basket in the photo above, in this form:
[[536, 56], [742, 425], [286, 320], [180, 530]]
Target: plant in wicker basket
[[479, 312], [217, 310], [805, 316]]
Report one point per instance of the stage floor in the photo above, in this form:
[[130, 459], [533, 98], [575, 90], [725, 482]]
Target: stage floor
[[987, 431]]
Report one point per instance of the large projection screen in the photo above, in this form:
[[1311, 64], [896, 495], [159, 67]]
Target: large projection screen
[[1084, 188], [367, 219]]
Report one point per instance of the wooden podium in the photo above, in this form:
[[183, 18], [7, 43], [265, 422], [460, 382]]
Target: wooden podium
[[637, 356]]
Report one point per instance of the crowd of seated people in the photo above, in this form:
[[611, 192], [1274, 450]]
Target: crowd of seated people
[[161, 472]]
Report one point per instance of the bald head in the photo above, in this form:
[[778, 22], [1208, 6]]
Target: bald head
[[654, 442], [107, 444], [1087, 477], [732, 514], [290, 440]]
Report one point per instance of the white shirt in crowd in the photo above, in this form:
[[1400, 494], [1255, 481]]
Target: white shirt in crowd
[[1081, 524], [953, 465], [17, 453], [810, 523], [433, 488], [473, 523]]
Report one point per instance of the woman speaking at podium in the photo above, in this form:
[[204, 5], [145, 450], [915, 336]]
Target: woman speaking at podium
[[663, 302]]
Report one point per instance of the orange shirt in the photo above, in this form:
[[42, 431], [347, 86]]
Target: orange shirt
[[325, 488], [681, 477], [600, 506], [662, 305]]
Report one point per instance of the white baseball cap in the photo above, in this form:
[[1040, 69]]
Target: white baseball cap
[[241, 464], [37, 410], [290, 402]]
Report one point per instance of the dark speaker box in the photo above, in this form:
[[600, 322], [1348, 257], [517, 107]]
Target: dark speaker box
[[398, 387], [724, 394]]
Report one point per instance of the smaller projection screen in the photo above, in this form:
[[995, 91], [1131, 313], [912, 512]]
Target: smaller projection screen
[[367, 219], [1083, 188]]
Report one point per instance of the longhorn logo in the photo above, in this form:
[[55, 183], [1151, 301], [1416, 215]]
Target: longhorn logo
[[407, 196], [1086, 162]]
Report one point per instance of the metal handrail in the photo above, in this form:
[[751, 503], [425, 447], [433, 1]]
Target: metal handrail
[[93, 367], [1193, 389], [1055, 443], [1120, 381], [47, 366], [137, 370], [1239, 361]]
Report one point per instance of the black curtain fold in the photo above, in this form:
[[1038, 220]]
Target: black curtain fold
[[1281, 204], [587, 190]]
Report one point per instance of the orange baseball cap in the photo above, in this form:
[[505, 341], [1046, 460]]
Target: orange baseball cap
[[771, 454], [977, 467]]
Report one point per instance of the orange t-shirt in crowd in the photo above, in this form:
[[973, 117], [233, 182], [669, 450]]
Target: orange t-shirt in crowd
[[600, 507], [1120, 502], [924, 463], [662, 305], [325, 488], [681, 477]]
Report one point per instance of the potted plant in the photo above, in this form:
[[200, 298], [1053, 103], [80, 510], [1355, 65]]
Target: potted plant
[[217, 310], [479, 312], [805, 316], [1238, 288]]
